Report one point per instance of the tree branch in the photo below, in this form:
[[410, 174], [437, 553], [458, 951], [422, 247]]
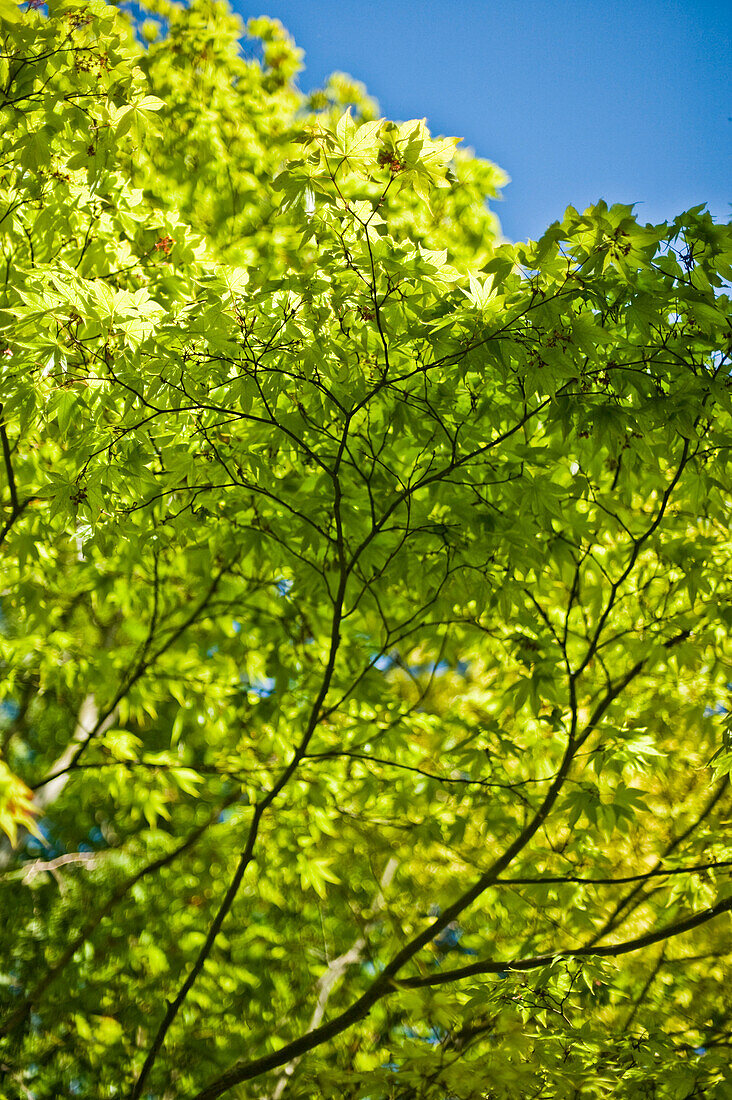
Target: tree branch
[[249, 1070], [489, 966], [262, 806], [8, 466], [657, 872]]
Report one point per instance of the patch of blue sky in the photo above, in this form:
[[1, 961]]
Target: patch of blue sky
[[386, 661], [576, 99], [9, 710], [263, 688]]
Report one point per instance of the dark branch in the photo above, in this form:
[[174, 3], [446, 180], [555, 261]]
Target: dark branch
[[610, 951]]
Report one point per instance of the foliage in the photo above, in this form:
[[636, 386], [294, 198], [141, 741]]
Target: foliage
[[365, 595]]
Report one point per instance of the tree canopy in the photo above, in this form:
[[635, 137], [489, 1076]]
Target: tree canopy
[[365, 597]]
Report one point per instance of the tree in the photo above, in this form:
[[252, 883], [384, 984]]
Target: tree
[[365, 591]]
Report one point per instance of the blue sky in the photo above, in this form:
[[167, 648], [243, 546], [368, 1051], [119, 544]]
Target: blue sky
[[576, 99]]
